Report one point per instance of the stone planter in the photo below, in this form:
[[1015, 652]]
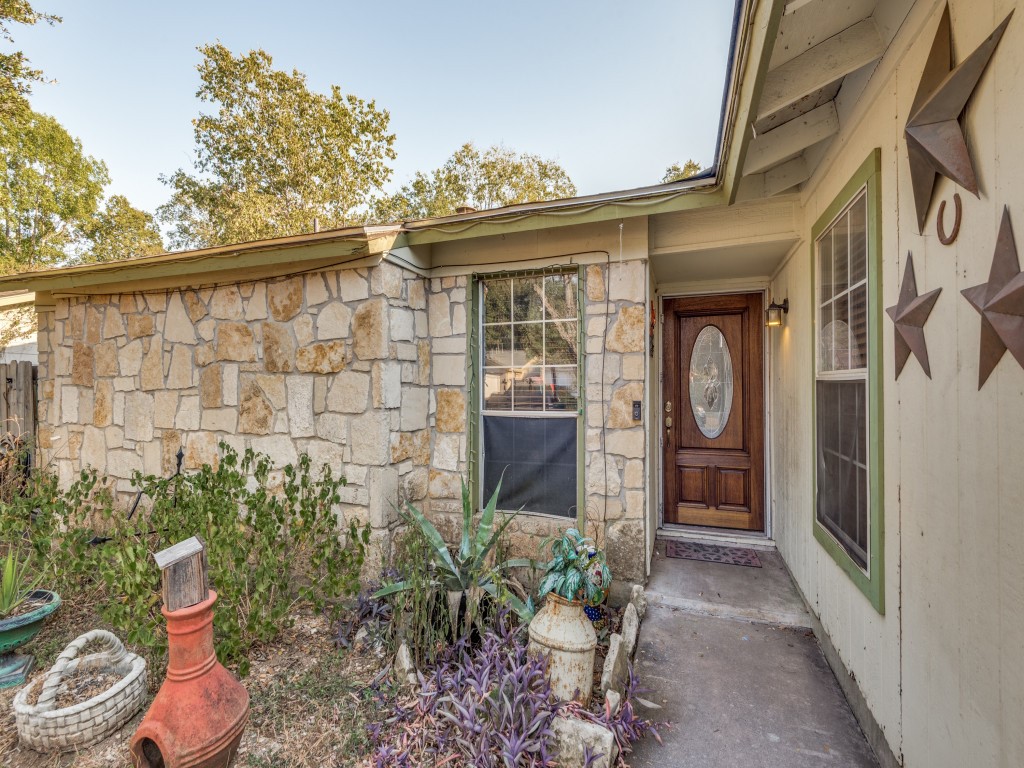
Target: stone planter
[[18, 630], [563, 633], [45, 728]]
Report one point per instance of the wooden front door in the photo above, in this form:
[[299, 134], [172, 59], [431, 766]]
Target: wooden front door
[[713, 411]]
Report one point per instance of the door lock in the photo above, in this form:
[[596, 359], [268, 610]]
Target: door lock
[[668, 422]]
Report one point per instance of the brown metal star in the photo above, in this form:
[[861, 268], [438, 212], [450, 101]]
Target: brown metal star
[[935, 138], [1000, 302], [909, 316]]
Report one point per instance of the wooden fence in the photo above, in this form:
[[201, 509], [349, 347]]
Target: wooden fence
[[18, 399]]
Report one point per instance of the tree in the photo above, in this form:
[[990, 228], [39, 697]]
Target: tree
[[274, 156], [16, 76], [51, 192], [121, 231], [496, 177], [675, 172]]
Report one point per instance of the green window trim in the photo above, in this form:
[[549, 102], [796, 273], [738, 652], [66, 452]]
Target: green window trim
[[474, 429], [870, 581]]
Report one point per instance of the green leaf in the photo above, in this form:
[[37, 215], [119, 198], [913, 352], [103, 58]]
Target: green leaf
[[436, 541]]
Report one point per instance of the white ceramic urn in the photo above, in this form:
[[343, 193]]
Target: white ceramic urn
[[562, 631]]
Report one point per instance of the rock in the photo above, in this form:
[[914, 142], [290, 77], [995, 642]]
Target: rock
[[630, 629], [612, 701], [349, 393], [627, 281], [178, 325], [575, 736], [278, 348], [316, 290], [352, 286], [370, 330], [82, 365], [235, 341], [451, 411], [140, 325], [405, 667], [620, 410], [414, 409], [285, 298], [638, 599], [628, 332], [255, 413], [595, 283], [334, 322], [613, 676], [327, 357], [210, 387], [386, 279], [439, 312]]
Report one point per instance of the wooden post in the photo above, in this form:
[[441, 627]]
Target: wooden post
[[184, 568]]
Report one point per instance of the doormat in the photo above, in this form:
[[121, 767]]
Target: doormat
[[712, 553]]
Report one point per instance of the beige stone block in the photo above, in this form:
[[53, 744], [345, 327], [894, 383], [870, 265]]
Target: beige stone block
[[633, 476], [595, 283], [188, 413], [211, 391], [226, 303], [204, 355], [349, 393], [415, 403], [103, 405], [273, 387], [626, 442], [129, 358], [285, 298], [278, 348], [620, 409], [255, 414], [320, 394], [449, 370], [332, 427], [370, 330], [279, 448], [178, 327], [138, 416], [300, 406], [602, 475], [417, 293], [628, 332], [256, 305], [422, 325], [206, 328], [459, 319], [152, 372], [596, 327], [593, 440], [201, 450], [316, 290], [352, 286], [635, 504], [439, 315], [627, 281], [165, 408], [303, 325], [76, 322], [113, 324], [94, 449], [415, 485], [445, 485], [387, 384], [334, 322], [323, 452], [69, 405], [322, 357], [230, 382], [220, 419], [93, 325], [609, 366], [372, 446], [140, 325], [105, 355], [180, 375], [386, 279], [633, 367], [123, 464], [170, 442], [156, 302], [446, 452], [451, 411], [414, 446], [82, 364], [235, 341], [195, 306], [403, 325]]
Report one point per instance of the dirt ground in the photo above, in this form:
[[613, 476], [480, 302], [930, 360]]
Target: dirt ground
[[309, 703]]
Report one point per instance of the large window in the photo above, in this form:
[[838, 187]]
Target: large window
[[529, 391], [847, 388]]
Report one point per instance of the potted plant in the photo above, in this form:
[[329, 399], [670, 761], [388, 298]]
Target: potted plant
[[23, 609], [575, 577]]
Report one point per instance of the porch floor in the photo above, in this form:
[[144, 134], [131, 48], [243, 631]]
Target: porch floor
[[724, 652]]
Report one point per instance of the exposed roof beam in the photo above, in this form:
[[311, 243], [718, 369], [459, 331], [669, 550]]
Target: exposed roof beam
[[819, 67], [786, 176], [790, 139]]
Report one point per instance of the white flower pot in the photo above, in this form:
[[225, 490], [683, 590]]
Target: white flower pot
[[563, 633]]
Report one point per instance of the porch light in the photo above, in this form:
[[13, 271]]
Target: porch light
[[773, 315]]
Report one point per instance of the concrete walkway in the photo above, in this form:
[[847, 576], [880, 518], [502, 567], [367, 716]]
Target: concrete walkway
[[737, 691]]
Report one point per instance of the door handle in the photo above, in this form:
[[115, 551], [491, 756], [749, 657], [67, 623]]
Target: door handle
[[668, 422]]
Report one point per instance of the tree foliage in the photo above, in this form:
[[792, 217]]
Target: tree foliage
[[121, 231], [51, 192], [16, 73], [274, 155], [496, 177], [676, 172]]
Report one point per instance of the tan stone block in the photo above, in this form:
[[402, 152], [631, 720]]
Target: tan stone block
[[103, 404], [74, 445], [157, 302], [320, 394], [334, 322], [279, 448], [94, 449], [303, 325], [138, 416], [352, 286], [178, 326], [82, 364], [188, 413], [445, 485], [226, 303], [195, 307], [415, 405], [626, 442], [450, 370], [220, 420], [349, 392], [105, 355], [201, 450], [370, 330], [93, 325], [204, 355], [325, 357], [129, 358], [278, 348], [635, 504], [210, 387], [285, 298], [300, 406], [417, 293], [127, 303], [620, 409], [140, 325], [387, 384], [602, 475], [316, 290], [595, 283], [451, 411], [113, 325], [627, 282], [206, 328], [446, 452], [633, 367], [235, 341], [165, 408], [254, 411], [273, 387], [76, 322], [256, 305], [628, 332], [439, 314], [68, 405], [372, 447], [633, 476], [386, 279], [332, 427], [414, 446], [424, 361], [180, 375], [170, 442], [230, 381]]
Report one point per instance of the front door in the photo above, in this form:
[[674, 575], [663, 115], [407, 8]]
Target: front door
[[713, 411]]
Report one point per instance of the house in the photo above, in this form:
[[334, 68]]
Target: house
[[609, 357]]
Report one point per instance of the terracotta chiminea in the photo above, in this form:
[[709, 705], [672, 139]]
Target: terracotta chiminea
[[199, 713]]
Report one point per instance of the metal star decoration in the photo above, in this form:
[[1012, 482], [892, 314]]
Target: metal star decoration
[[935, 138], [909, 316], [1000, 302]]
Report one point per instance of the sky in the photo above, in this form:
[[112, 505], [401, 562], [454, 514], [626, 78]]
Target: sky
[[614, 91]]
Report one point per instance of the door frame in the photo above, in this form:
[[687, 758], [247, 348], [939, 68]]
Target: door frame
[[734, 287]]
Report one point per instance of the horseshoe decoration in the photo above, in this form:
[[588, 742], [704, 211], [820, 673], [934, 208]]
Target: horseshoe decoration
[[958, 212]]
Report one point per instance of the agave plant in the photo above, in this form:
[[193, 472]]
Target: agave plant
[[577, 569], [470, 569], [16, 584]]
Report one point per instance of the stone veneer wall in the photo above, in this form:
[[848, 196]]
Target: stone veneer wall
[[364, 369]]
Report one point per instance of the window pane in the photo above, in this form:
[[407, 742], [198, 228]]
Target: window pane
[[841, 254], [528, 344], [825, 358], [527, 304], [528, 388], [497, 301], [538, 459], [825, 267], [859, 327], [560, 297], [842, 489], [858, 240], [561, 388], [497, 389], [498, 345], [841, 334], [561, 343]]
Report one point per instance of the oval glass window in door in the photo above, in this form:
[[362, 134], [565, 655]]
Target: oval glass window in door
[[711, 386]]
